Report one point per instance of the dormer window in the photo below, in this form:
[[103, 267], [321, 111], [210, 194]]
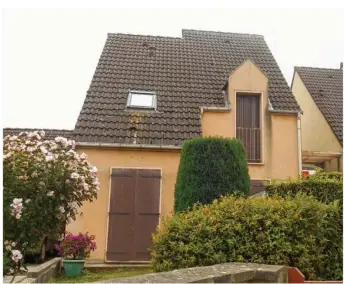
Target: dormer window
[[141, 99]]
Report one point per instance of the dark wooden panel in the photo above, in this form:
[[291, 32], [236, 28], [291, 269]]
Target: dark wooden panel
[[257, 186], [120, 237], [149, 173], [121, 215], [147, 193], [147, 208], [145, 226], [123, 193]]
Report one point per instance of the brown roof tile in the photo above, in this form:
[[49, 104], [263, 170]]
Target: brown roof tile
[[326, 88], [185, 73], [49, 133]]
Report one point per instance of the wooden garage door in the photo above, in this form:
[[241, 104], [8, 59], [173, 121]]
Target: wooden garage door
[[134, 213]]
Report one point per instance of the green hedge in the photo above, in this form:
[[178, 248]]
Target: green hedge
[[300, 232], [209, 168], [321, 187], [326, 175]]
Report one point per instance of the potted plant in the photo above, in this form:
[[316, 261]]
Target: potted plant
[[75, 249]]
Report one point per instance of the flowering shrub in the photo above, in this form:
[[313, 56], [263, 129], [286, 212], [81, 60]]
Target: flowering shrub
[[45, 182], [76, 246]]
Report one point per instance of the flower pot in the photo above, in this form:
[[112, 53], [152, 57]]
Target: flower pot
[[73, 268]]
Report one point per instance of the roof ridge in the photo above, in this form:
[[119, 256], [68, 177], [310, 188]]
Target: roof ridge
[[220, 32], [309, 67], [35, 128], [189, 30], [143, 35]]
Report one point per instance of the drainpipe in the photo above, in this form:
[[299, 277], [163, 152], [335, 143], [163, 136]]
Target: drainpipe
[[299, 149]]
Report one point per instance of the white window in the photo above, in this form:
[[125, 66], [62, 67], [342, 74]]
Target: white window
[[141, 99]]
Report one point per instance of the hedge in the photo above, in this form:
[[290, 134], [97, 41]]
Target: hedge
[[321, 187], [209, 168], [300, 232], [326, 175]]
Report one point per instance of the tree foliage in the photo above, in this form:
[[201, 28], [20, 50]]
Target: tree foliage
[[45, 181]]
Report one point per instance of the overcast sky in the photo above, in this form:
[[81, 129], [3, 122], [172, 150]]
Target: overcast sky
[[50, 55]]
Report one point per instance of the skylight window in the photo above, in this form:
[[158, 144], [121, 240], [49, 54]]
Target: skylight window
[[142, 99]]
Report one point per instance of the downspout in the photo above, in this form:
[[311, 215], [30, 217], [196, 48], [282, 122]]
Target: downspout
[[299, 149]]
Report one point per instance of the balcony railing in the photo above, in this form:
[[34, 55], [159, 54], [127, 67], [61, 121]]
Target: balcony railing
[[251, 139]]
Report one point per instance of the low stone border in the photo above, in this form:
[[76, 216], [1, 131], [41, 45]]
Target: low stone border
[[220, 273], [38, 274]]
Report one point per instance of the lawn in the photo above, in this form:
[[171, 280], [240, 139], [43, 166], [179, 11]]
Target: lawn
[[95, 275]]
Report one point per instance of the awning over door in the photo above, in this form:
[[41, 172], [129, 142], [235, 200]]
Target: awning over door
[[315, 157]]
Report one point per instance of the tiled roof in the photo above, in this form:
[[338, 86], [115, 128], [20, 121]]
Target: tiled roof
[[185, 73], [49, 133], [326, 88]]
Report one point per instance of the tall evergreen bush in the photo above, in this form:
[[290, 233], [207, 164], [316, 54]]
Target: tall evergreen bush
[[209, 168]]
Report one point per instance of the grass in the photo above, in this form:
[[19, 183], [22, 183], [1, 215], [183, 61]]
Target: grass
[[94, 275]]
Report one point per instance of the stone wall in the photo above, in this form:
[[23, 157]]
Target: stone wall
[[220, 273]]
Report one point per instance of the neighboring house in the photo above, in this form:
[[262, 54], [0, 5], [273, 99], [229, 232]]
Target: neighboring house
[[49, 133], [319, 92], [149, 94]]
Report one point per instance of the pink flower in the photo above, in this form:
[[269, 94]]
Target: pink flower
[[71, 152], [96, 181], [61, 140], [24, 178], [49, 157], [17, 207], [86, 187], [16, 256], [74, 175], [50, 193], [7, 156], [93, 170], [30, 149], [43, 150], [83, 156]]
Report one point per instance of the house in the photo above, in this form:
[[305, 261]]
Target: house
[[49, 133], [319, 92], [151, 93]]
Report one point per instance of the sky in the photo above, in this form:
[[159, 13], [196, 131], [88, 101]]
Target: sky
[[50, 55]]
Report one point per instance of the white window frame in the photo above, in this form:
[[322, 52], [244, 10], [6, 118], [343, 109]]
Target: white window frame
[[136, 92]]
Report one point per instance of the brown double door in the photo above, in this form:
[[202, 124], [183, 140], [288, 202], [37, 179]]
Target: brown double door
[[134, 213]]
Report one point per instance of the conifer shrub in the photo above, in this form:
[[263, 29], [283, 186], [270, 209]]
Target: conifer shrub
[[208, 169]]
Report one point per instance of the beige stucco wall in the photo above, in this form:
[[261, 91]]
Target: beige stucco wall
[[317, 135], [279, 131], [94, 215], [284, 159]]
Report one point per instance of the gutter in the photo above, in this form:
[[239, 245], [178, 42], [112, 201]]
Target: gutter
[[215, 109], [130, 146], [285, 111]]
